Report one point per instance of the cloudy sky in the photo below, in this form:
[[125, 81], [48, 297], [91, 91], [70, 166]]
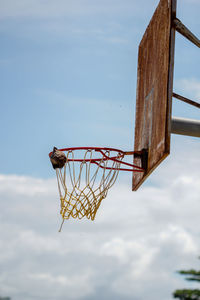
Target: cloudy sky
[[68, 78]]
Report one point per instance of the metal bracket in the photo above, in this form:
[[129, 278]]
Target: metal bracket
[[143, 155], [182, 29], [184, 99]]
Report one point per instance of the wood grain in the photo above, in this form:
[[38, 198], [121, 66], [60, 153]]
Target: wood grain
[[154, 89]]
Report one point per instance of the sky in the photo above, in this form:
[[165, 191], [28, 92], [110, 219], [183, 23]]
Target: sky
[[68, 72]]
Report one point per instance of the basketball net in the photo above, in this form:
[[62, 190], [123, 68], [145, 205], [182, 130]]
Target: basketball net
[[86, 177], [82, 185]]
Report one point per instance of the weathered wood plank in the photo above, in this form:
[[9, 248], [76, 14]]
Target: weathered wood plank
[[154, 89]]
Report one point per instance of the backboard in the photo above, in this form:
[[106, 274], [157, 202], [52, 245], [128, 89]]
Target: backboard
[[154, 89]]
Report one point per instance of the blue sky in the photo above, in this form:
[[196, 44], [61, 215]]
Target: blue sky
[[68, 72], [68, 75]]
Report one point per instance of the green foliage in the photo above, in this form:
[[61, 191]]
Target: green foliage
[[189, 294], [195, 274]]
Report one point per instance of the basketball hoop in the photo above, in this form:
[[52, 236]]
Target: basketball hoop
[[87, 175]]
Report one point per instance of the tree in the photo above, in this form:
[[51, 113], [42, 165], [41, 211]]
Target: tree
[[189, 294]]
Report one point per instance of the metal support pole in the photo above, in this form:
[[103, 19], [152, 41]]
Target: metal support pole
[[182, 29], [187, 127], [188, 101]]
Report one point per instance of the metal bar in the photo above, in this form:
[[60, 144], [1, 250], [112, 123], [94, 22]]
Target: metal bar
[[132, 152], [170, 77], [191, 102], [182, 29], [184, 126]]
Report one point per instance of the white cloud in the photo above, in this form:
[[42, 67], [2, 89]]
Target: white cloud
[[136, 240], [116, 40], [190, 86], [74, 287], [192, 1], [23, 185], [183, 239], [45, 9], [60, 8]]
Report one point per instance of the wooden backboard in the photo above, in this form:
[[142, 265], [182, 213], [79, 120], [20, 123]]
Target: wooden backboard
[[154, 89]]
